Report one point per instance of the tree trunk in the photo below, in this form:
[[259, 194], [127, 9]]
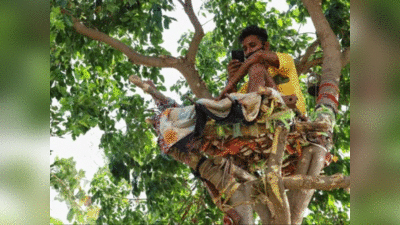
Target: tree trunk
[[311, 163], [223, 182]]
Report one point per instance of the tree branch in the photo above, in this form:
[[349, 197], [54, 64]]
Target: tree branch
[[147, 88], [310, 50], [332, 64], [236, 171], [316, 182], [345, 57], [134, 57], [311, 164], [71, 195], [180, 1], [187, 69], [273, 184], [278, 147], [308, 65], [198, 34], [303, 66], [305, 127]]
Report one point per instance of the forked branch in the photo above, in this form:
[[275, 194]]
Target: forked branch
[[308, 65], [198, 30], [304, 66], [310, 50]]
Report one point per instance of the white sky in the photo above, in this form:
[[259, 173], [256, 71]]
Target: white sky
[[85, 148]]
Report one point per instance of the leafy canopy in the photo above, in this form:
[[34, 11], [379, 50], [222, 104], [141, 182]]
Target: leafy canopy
[[89, 88]]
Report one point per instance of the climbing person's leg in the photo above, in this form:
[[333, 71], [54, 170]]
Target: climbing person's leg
[[259, 77]]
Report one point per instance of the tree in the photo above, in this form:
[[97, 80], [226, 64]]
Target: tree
[[96, 46]]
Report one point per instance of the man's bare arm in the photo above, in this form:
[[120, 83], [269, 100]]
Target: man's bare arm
[[268, 58]]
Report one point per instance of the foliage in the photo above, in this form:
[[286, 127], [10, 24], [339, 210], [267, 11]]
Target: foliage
[[89, 88], [66, 180]]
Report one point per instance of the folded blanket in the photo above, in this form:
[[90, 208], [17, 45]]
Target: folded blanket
[[177, 126]]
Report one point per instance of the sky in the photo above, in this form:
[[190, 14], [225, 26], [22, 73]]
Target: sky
[[85, 150]]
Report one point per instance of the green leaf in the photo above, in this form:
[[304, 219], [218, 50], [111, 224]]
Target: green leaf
[[70, 215], [55, 221], [280, 22], [62, 3], [68, 21]]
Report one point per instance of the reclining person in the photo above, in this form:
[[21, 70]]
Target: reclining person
[[263, 67]]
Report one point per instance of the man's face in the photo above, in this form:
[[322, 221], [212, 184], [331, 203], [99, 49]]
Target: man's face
[[252, 44]]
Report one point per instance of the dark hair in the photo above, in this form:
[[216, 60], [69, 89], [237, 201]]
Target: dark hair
[[254, 30]]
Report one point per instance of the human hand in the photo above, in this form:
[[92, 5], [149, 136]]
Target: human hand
[[224, 92], [233, 67], [257, 57]]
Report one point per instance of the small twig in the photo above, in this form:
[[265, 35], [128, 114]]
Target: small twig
[[187, 210], [69, 191]]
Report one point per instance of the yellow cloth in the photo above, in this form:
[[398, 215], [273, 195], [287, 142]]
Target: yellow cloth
[[287, 69]]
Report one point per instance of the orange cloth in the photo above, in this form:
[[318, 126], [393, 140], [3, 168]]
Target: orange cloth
[[233, 147]]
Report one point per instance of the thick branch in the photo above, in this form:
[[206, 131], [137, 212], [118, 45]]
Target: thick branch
[[133, 56], [332, 63], [188, 71], [310, 50], [147, 88], [196, 84], [198, 34], [316, 182], [278, 147], [236, 171], [310, 164], [304, 127], [303, 67], [310, 64], [273, 184]]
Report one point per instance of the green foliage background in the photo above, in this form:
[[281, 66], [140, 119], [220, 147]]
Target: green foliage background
[[89, 88], [24, 90]]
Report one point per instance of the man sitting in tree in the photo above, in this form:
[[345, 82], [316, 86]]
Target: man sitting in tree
[[264, 67]]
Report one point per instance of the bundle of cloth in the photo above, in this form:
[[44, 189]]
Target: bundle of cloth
[[241, 126]]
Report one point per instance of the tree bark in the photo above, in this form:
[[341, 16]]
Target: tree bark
[[318, 182], [300, 67], [198, 34], [311, 164], [332, 63], [328, 95]]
